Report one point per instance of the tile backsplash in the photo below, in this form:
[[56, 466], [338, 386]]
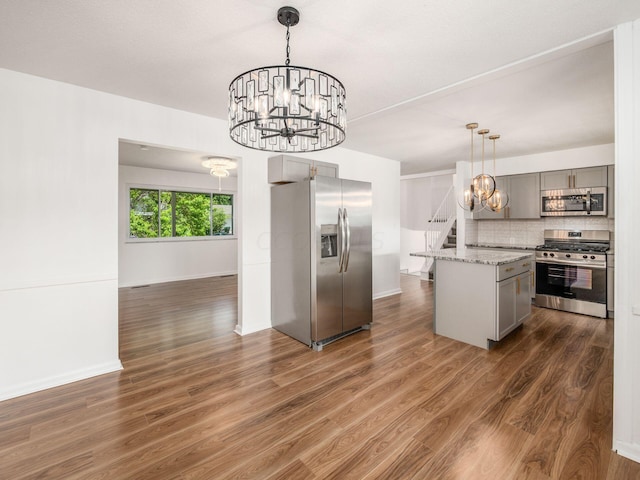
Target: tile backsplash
[[528, 232]]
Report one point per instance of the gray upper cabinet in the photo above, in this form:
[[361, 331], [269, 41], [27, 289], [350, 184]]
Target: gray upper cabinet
[[524, 198], [576, 178], [611, 194]]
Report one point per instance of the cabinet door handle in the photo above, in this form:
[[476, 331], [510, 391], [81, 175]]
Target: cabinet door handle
[[569, 180], [526, 264], [508, 269], [518, 286]]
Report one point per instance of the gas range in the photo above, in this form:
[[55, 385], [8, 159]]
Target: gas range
[[583, 257], [586, 247], [571, 271]]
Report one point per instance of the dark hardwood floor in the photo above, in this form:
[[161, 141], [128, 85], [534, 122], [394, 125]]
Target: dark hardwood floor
[[196, 401]]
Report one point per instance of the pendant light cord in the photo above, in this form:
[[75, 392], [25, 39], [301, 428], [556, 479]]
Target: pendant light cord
[[471, 153], [483, 154], [494, 157]]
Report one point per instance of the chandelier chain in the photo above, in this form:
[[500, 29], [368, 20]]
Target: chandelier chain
[[288, 48]]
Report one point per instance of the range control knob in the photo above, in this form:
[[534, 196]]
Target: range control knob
[[593, 257], [585, 256], [568, 255], [545, 254], [552, 254]]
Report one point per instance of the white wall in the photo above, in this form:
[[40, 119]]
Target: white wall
[[384, 176], [59, 234], [626, 374], [420, 197], [168, 260]]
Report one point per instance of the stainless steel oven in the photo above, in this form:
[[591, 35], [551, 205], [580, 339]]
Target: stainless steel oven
[[574, 202], [571, 271]]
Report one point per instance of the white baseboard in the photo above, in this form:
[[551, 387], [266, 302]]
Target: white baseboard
[[176, 279], [240, 331], [628, 450], [387, 293], [58, 380]]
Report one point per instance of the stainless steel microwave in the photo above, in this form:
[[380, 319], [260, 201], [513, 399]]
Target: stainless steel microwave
[[574, 202]]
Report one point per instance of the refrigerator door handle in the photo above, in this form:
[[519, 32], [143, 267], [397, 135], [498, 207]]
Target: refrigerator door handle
[[341, 239], [348, 240]]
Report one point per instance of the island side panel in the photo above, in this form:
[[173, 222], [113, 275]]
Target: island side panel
[[465, 295]]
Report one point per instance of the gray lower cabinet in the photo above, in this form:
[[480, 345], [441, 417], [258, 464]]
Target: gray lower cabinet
[[495, 300], [532, 260], [514, 303], [524, 198], [574, 178]]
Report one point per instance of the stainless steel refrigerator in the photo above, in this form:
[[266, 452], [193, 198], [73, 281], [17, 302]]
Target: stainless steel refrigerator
[[321, 281]]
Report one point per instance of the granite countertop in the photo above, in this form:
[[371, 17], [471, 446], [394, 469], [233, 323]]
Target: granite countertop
[[474, 256], [501, 245]]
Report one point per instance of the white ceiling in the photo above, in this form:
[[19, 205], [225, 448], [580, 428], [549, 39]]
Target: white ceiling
[[395, 59], [153, 156]]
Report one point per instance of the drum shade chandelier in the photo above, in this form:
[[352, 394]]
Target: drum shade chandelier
[[287, 108]]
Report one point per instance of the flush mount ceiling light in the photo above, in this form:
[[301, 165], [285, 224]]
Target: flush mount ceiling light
[[287, 108], [218, 166]]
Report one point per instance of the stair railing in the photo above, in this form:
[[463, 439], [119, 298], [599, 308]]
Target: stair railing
[[441, 222], [438, 229]]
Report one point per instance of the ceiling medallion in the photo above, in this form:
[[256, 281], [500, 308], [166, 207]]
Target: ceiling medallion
[[287, 108]]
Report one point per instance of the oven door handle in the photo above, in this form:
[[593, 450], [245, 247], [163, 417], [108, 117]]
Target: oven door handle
[[569, 263], [589, 202]]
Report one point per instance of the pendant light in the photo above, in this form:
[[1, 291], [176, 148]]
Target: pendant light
[[286, 108], [469, 200], [500, 199], [484, 185]]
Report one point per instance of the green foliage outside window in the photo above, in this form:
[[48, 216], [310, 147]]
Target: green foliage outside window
[[143, 213], [154, 213]]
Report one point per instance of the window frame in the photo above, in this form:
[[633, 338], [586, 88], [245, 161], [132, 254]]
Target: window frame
[[174, 189]]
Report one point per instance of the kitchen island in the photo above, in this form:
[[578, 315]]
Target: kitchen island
[[480, 296]]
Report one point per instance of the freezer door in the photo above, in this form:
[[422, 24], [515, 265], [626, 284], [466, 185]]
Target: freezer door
[[357, 276], [326, 318]]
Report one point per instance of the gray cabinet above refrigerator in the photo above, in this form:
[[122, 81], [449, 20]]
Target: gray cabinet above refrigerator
[[287, 169]]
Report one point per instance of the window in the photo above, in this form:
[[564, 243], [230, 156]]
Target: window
[[167, 213]]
